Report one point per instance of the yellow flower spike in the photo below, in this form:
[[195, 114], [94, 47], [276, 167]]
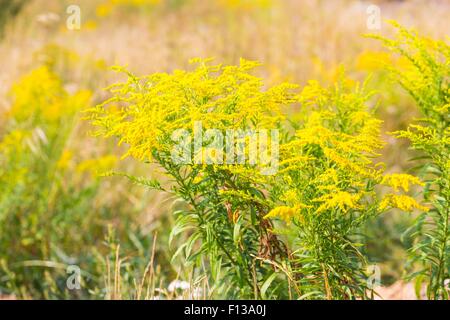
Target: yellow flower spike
[[289, 196], [401, 180], [341, 199], [401, 202], [40, 94], [283, 212], [311, 91], [220, 97], [286, 213], [44, 90]]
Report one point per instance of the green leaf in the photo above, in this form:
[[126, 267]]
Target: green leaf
[[182, 224], [418, 285], [237, 230], [179, 250], [191, 242], [267, 284]]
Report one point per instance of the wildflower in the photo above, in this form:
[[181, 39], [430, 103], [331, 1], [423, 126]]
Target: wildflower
[[286, 213], [423, 70], [311, 92], [342, 199], [219, 97], [38, 90], [289, 196], [41, 95], [328, 176], [401, 202], [400, 180]]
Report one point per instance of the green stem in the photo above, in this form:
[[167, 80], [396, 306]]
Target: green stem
[[442, 254], [199, 211]]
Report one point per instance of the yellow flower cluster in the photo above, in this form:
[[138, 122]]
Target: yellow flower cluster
[[341, 199], [11, 151], [221, 97], [40, 96], [329, 162], [13, 141], [350, 149], [402, 202], [428, 138], [35, 94], [401, 180], [286, 213], [423, 61], [37, 126], [326, 165]]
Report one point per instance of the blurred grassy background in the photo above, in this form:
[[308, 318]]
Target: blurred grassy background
[[85, 217]]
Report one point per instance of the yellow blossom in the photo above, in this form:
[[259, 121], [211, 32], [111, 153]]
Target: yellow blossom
[[41, 95], [342, 199], [401, 180], [286, 213], [401, 202], [220, 97]]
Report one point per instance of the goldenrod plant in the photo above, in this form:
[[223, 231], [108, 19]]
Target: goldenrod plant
[[325, 182], [424, 72], [327, 190], [225, 202], [33, 161]]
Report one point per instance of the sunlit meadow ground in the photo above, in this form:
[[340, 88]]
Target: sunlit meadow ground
[[295, 40]]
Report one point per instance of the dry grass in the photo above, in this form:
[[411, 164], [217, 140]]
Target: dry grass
[[287, 37]]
